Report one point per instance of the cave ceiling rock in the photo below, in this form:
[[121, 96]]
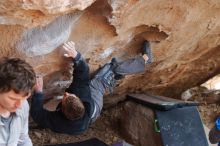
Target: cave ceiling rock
[[33, 13], [185, 37]]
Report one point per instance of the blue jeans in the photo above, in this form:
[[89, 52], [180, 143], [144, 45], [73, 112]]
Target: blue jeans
[[98, 88]]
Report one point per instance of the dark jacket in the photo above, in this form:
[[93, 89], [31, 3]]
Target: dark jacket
[[56, 120]]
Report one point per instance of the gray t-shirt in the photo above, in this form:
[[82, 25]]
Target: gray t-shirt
[[14, 131], [6, 127]]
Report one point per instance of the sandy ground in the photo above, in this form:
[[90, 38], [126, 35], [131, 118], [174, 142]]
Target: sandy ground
[[209, 113]]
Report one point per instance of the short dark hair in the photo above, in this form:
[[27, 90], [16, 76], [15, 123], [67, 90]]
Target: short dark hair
[[73, 108], [16, 75]]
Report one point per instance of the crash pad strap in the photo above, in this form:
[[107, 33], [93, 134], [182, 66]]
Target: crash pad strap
[[181, 127], [160, 102]]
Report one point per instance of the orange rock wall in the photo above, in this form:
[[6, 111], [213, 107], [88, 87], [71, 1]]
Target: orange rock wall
[[185, 37]]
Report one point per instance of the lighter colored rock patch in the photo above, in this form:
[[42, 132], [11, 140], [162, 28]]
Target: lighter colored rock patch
[[43, 40], [107, 52]]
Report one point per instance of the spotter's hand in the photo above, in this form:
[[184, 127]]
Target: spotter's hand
[[39, 84]]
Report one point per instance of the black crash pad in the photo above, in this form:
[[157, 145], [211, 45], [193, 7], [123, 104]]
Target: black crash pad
[[89, 142], [181, 127], [160, 102]]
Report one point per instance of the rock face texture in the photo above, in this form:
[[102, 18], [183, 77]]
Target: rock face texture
[[184, 36], [31, 13]]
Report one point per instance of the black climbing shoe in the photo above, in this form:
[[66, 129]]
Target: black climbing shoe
[[147, 50]]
